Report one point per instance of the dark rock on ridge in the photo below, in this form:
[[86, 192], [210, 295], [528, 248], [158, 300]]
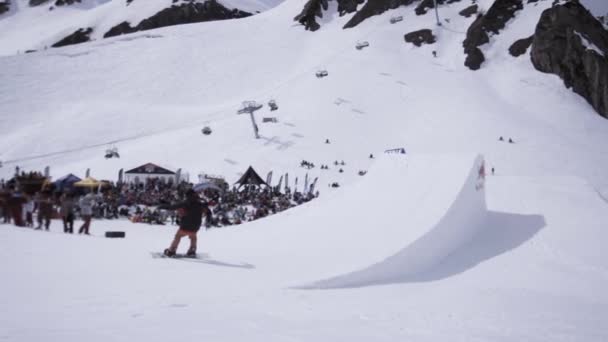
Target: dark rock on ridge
[[193, 12], [469, 11], [520, 46], [4, 6], [426, 5], [375, 7], [493, 21], [79, 36], [313, 9], [571, 43], [424, 36]]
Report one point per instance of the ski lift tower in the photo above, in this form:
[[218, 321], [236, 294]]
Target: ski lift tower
[[437, 13], [250, 107]]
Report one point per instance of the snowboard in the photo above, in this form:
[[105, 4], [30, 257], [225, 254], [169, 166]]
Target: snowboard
[[178, 256]]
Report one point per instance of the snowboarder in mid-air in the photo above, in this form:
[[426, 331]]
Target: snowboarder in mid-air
[[190, 222]]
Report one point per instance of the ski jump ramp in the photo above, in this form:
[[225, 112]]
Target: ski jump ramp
[[442, 201], [421, 207]]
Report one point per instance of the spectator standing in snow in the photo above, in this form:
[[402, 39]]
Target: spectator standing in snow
[[67, 213], [15, 204], [45, 210], [190, 222], [86, 211], [29, 207], [4, 199]]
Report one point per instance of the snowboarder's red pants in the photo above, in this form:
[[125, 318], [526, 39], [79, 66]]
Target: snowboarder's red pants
[[179, 235]]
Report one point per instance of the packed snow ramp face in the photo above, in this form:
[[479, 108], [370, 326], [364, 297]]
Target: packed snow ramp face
[[432, 205]]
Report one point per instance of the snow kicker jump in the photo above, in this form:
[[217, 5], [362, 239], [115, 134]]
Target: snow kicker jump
[[436, 205]]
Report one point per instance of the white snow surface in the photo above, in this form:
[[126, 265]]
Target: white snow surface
[[589, 45], [414, 250]]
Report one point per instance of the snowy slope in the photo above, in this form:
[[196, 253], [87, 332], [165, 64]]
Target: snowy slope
[[34, 28], [535, 270]]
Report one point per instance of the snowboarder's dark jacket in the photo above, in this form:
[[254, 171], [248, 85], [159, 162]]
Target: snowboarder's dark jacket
[[193, 213]]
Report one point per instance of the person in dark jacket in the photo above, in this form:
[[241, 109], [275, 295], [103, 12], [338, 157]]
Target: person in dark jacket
[[15, 205], [67, 213], [45, 210], [192, 218]]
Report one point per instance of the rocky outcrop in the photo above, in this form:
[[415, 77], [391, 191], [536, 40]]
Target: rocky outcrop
[[492, 22], [520, 46], [572, 44], [37, 2], [57, 2], [375, 7], [313, 9], [180, 14], [426, 5], [4, 6], [424, 36], [79, 36], [66, 2], [469, 11], [348, 6]]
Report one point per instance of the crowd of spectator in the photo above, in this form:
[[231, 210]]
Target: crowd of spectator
[[136, 202]]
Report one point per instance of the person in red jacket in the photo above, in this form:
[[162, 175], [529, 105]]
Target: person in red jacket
[[190, 223]]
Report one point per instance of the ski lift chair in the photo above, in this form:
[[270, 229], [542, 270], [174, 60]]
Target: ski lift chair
[[273, 105], [396, 19], [361, 45], [112, 153], [321, 73]]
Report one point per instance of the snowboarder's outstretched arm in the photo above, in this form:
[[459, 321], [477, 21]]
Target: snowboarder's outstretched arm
[[173, 206]]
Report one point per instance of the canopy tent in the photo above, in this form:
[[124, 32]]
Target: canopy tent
[[149, 170], [89, 182], [66, 182], [206, 186], [250, 177]]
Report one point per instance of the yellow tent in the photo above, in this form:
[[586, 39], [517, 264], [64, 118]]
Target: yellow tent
[[89, 182]]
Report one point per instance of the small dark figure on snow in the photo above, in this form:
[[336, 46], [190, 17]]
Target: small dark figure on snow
[[492, 171], [327, 141], [501, 138], [371, 156], [340, 170], [511, 141], [435, 54]]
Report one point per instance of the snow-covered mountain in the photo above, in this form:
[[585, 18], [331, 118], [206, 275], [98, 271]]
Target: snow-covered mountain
[[421, 247], [27, 25]]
